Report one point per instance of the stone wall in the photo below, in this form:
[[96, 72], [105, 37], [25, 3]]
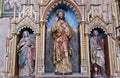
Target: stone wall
[[4, 28]]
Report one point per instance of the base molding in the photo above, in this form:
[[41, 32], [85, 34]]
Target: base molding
[[52, 75]]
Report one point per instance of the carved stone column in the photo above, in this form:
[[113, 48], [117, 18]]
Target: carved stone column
[[41, 66], [10, 57], [87, 53], [109, 37], [37, 52], [85, 66], [14, 53]]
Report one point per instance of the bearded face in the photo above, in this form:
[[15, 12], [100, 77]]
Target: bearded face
[[60, 15]]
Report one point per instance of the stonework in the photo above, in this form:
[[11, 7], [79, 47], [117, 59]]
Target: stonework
[[37, 16], [4, 29]]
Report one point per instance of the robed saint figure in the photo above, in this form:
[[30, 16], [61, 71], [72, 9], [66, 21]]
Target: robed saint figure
[[62, 34]]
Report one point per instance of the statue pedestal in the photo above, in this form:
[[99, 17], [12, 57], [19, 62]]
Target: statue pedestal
[[52, 75]]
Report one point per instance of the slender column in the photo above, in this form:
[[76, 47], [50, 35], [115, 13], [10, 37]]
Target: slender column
[[41, 65], [13, 49], [11, 55], [87, 52], [43, 43], [110, 53], [37, 52], [14, 54], [14, 12], [43, 55], [84, 43], [81, 46]]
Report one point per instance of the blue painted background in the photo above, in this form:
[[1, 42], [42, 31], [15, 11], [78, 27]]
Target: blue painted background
[[70, 16]]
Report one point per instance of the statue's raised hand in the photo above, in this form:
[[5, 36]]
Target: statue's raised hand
[[56, 18]]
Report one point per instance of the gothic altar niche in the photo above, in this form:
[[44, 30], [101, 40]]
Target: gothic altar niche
[[24, 43], [73, 42], [98, 53], [40, 24], [26, 52]]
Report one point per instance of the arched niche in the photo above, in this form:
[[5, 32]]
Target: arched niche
[[54, 3], [17, 29], [19, 35], [27, 29], [103, 35], [72, 19]]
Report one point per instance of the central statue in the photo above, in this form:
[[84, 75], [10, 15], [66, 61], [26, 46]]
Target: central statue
[[62, 33]]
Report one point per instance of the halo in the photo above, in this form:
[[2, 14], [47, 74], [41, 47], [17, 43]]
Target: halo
[[59, 10]]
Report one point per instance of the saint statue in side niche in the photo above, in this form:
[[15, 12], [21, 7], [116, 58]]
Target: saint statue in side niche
[[26, 55], [97, 54], [62, 33]]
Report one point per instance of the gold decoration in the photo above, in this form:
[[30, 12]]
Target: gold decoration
[[67, 2], [97, 22], [40, 31]]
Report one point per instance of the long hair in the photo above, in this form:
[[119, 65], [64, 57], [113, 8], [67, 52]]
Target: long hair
[[57, 14], [28, 35], [95, 31]]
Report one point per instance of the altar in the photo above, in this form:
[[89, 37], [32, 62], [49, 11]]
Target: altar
[[77, 75], [36, 26]]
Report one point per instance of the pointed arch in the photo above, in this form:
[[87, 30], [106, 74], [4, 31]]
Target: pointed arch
[[56, 2], [100, 27], [26, 23], [25, 26]]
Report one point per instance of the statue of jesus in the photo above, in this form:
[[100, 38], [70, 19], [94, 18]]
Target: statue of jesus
[[62, 33]]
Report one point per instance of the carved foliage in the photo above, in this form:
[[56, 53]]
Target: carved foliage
[[26, 23], [97, 22]]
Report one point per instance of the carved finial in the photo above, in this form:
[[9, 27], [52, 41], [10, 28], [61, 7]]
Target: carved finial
[[15, 10], [27, 1], [14, 16]]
